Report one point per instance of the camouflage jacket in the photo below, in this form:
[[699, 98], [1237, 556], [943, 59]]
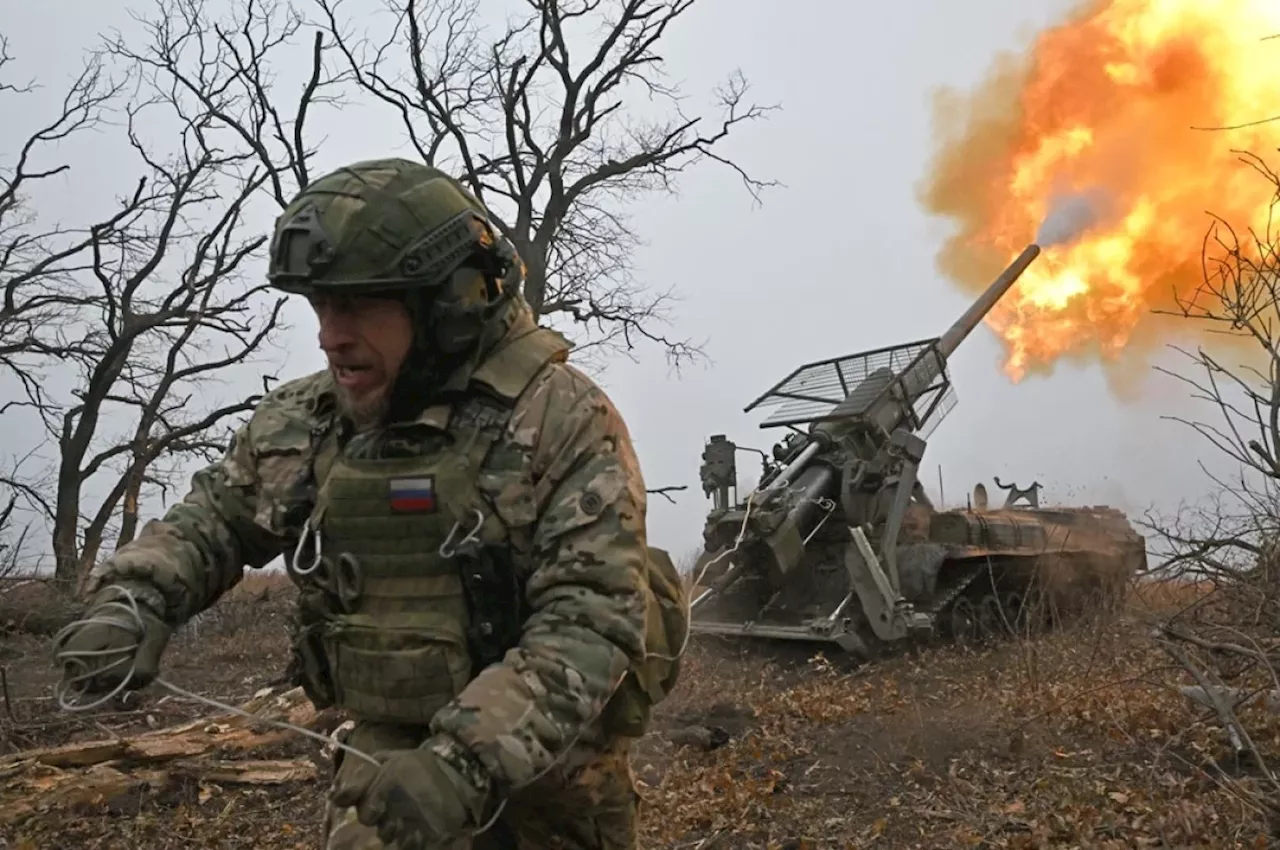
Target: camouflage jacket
[[586, 591]]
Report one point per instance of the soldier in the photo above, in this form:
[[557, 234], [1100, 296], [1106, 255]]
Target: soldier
[[464, 514]]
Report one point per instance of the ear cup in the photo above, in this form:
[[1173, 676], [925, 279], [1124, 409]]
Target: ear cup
[[460, 310]]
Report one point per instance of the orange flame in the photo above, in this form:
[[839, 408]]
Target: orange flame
[[1107, 103]]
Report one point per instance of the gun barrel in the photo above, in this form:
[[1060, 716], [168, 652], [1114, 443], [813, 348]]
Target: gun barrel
[[914, 380], [956, 334]]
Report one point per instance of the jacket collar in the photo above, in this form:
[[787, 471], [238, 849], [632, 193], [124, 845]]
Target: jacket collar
[[515, 321]]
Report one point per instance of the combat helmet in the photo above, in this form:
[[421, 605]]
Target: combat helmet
[[383, 227], [397, 228]]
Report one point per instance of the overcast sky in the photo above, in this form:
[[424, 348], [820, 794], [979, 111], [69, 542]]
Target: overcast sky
[[841, 259]]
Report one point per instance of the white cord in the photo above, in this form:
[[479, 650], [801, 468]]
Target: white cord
[[134, 623], [825, 504], [688, 624], [67, 696]]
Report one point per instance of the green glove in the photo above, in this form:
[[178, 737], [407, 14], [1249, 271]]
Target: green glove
[[98, 655], [416, 799]]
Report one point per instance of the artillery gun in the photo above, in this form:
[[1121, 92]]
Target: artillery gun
[[839, 543]]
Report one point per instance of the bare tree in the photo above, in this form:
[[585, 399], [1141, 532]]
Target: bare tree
[[12, 539], [545, 135], [221, 69], [147, 301], [152, 302], [1224, 551], [41, 264], [1235, 302], [224, 68]]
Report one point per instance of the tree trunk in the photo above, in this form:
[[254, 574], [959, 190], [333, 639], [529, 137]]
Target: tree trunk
[[535, 280], [66, 542], [129, 512]]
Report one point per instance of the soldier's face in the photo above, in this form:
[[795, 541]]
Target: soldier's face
[[365, 340]]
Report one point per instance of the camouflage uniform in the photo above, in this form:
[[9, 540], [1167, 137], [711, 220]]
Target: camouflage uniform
[[499, 608]]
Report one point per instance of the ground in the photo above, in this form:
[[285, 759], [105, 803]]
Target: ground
[[1077, 738]]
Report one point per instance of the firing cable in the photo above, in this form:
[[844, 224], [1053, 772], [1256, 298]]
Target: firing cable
[[824, 504], [136, 626], [688, 625]]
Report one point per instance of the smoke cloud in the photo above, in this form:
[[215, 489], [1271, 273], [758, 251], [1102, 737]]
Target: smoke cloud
[[1072, 215]]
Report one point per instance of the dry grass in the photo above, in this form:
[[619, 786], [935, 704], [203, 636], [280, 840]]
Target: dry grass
[[1074, 739]]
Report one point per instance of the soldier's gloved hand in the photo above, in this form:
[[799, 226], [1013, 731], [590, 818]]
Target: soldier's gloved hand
[[118, 638], [416, 800]]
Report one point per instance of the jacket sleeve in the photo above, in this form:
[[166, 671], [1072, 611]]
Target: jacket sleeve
[[226, 521], [587, 592]]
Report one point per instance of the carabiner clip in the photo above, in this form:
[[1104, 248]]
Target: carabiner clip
[[448, 549], [318, 553]]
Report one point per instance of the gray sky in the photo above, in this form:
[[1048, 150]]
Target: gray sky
[[840, 260]]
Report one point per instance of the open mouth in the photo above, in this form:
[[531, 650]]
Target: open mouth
[[353, 377]]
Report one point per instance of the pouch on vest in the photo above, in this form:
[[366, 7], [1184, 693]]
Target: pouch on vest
[[312, 672]]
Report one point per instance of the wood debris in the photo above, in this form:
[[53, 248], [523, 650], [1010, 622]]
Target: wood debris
[[216, 750]]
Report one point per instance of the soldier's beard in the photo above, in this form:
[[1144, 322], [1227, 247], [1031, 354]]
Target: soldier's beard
[[365, 412]]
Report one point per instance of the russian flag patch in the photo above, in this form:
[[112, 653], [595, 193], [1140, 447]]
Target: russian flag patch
[[415, 495]]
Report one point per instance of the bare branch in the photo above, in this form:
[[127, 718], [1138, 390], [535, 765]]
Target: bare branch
[[546, 140], [11, 544], [1229, 545], [39, 262], [219, 69], [665, 492], [152, 303]]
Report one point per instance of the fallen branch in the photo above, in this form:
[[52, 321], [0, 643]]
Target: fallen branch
[[1235, 696], [1236, 733], [100, 771], [107, 784], [1214, 646], [194, 738]]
